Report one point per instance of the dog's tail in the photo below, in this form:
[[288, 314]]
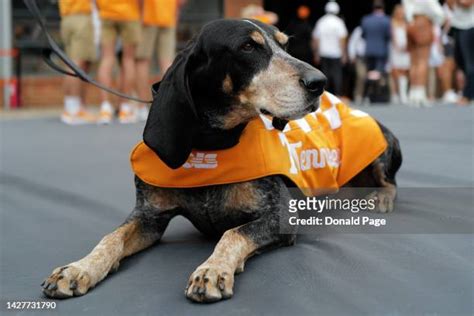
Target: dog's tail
[[396, 159], [392, 157]]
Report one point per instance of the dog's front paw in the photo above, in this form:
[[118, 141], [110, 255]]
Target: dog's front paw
[[210, 284], [66, 282], [384, 200]]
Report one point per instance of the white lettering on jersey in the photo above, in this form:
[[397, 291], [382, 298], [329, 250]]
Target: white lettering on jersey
[[201, 161]]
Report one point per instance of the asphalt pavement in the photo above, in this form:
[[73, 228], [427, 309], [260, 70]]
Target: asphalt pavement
[[63, 188]]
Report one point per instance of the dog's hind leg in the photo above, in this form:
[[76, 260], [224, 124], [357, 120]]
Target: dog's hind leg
[[383, 171], [380, 175], [145, 226], [386, 191]]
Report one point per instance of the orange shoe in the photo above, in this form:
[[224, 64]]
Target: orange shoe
[[80, 118], [127, 116]]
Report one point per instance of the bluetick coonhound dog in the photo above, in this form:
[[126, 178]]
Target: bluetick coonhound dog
[[230, 73]]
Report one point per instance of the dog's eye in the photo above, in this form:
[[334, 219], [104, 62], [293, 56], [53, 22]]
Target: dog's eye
[[247, 47]]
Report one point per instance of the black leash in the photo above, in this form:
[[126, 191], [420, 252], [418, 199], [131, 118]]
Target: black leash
[[56, 50]]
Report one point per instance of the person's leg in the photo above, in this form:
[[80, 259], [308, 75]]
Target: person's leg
[[415, 65], [105, 68], [467, 50], [107, 60], [104, 74], [381, 62], [361, 73], [424, 54], [419, 73], [143, 78], [403, 86], [326, 70], [127, 111], [423, 69], [166, 47], [371, 63], [128, 65], [414, 76], [460, 78], [420, 38], [83, 85], [143, 66], [73, 85], [143, 56], [76, 32], [74, 113], [445, 74], [337, 70], [130, 34], [70, 84], [395, 74]]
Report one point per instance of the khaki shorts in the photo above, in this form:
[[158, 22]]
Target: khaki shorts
[[129, 31], [77, 34], [163, 37]]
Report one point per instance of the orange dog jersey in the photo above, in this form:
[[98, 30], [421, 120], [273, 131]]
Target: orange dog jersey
[[319, 153]]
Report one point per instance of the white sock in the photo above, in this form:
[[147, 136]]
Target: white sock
[[106, 106], [420, 93], [125, 107], [72, 104], [403, 88]]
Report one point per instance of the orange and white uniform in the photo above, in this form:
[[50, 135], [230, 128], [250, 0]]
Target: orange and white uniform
[[162, 13], [159, 29], [77, 31], [119, 10], [68, 7], [319, 153], [120, 18]]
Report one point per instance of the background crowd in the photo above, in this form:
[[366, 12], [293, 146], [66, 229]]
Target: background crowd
[[420, 53], [127, 31], [423, 51]]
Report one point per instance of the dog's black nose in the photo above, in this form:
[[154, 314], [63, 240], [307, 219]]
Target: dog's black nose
[[313, 82]]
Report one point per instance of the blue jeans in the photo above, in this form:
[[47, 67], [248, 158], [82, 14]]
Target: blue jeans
[[376, 63], [464, 52]]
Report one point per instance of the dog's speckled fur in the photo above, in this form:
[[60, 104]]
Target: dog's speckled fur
[[246, 216]]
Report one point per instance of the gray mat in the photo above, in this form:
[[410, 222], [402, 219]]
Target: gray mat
[[63, 188]]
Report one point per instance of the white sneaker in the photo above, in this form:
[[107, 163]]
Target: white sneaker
[[450, 97], [417, 97], [395, 99], [80, 118], [403, 89], [106, 114], [127, 114], [413, 99], [142, 113]]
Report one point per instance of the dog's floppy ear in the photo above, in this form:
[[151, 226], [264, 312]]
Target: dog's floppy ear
[[172, 121]]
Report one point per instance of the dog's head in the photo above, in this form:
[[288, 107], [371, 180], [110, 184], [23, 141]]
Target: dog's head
[[229, 74]]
